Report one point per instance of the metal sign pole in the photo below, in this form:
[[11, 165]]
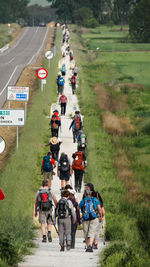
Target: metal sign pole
[[17, 138], [41, 86], [25, 111], [48, 63]]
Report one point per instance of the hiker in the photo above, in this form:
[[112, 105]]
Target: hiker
[[78, 165], [44, 201], [48, 164], [90, 207], [63, 70], [76, 125], [90, 186], [60, 83], [55, 123], [81, 139], [64, 170], [54, 144], [64, 211], [75, 71], [63, 102], [73, 83], [71, 55], [68, 186], [78, 221]]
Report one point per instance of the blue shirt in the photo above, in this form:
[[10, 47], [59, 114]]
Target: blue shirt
[[95, 202]]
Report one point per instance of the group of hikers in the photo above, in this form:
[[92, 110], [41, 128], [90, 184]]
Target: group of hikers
[[68, 211]]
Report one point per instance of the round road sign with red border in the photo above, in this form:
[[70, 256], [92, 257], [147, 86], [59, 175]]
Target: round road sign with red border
[[42, 73]]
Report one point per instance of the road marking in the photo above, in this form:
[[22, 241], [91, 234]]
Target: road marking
[[39, 48], [8, 80]]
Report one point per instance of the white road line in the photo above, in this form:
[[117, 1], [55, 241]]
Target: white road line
[[39, 48], [8, 81]]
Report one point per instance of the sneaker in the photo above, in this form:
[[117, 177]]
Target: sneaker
[[49, 237], [62, 248], [68, 247], [44, 239], [89, 249]]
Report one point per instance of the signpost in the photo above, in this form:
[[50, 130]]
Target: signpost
[[12, 117], [18, 93], [42, 74], [2, 145], [49, 56]]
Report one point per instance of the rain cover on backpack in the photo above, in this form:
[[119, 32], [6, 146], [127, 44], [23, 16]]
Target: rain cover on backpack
[[89, 212], [62, 210], [45, 200]]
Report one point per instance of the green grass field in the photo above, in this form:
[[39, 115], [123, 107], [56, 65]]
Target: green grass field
[[21, 177], [39, 2], [118, 164], [5, 35]]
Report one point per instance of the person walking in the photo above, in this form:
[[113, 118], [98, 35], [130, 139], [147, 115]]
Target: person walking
[[78, 165], [64, 211], [55, 123], [44, 201], [76, 125], [73, 83], [63, 102], [63, 70], [64, 170], [81, 139], [78, 221], [75, 71], [60, 83], [54, 144], [90, 207], [48, 164], [90, 186]]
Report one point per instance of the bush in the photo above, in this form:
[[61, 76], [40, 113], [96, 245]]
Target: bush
[[91, 23], [8, 252]]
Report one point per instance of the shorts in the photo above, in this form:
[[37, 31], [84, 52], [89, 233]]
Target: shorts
[[64, 175], [90, 228], [48, 175], [44, 217], [98, 231]]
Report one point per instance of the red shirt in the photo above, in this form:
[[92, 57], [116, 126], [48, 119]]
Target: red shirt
[[63, 99]]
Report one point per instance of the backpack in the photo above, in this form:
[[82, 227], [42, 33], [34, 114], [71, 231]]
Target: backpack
[[89, 212], [82, 141], [78, 161], [77, 125], [45, 200], [62, 209], [73, 80], [64, 164], [61, 81], [55, 122], [47, 166]]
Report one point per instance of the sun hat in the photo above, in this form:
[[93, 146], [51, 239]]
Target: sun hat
[[54, 140]]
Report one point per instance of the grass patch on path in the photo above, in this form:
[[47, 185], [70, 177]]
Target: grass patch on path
[[20, 178]]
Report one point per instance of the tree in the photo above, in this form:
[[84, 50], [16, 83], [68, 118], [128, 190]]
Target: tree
[[139, 26], [64, 9]]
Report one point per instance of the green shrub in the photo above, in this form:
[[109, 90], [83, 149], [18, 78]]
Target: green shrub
[[91, 23]]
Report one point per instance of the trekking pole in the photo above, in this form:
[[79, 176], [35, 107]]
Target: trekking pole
[[54, 225]]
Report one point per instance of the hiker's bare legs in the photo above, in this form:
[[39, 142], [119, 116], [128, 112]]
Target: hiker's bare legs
[[43, 229]]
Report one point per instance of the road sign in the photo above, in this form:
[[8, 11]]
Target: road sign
[[2, 145], [2, 196], [49, 54], [12, 117], [15, 93], [42, 73]]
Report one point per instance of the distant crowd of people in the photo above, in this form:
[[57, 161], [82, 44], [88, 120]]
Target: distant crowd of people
[[68, 211]]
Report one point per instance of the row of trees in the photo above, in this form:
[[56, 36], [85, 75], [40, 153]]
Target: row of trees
[[12, 10]]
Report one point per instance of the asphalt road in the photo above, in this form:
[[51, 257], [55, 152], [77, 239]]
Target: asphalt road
[[24, 52]]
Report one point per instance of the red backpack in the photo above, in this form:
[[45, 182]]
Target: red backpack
[[77, 123], [78, 161], [73, 79]]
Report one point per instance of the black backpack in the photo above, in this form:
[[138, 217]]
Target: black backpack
[[64, 164], [62, 209], [45, 200]]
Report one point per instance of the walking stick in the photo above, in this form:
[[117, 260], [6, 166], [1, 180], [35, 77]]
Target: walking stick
[[54, 224]]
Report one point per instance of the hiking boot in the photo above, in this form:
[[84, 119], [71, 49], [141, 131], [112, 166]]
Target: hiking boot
[[62, 248], [89, 249], [49, 237], [44, 239], [68, 245], [95, 246]]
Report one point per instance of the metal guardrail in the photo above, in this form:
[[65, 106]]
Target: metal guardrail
[[4, 48]]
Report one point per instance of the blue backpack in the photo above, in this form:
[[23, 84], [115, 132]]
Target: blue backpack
[[47, 166], [89, 212], [61, 81]]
